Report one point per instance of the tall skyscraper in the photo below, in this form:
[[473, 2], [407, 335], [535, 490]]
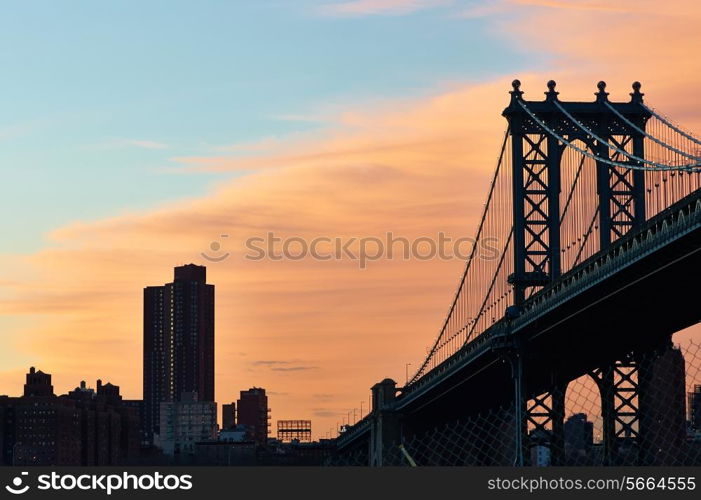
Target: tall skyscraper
[[178, 342], [252, 411]]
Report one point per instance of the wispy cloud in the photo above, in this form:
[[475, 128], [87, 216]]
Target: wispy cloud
[[380, 7], [145, 144], [268, 363], [20, 129], [283, 366], [577, 5], [325, 413], [122, 143], [293, 368], [262, 145], [491, 8], [301, 118], [484, 9]]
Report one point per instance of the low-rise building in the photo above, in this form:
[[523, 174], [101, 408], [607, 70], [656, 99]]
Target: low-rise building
[[82, 427], [184, 423]]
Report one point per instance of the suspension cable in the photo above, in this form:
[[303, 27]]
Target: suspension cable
[[491, 286], [586, 236], [574, 186], [654, 139], [595, 157], [658, 166], [469, 259], [671, 125]]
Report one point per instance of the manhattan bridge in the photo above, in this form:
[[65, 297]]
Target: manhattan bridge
[[597, 210]]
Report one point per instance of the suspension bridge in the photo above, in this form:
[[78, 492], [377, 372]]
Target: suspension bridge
[[595, 209]]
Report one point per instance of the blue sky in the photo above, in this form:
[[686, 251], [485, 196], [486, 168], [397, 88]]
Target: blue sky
[[99, 98]]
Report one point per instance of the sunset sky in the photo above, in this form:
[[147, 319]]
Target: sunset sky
[[134, 134]]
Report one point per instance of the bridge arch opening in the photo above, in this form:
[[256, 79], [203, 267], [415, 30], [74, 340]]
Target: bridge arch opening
[[583, 432]]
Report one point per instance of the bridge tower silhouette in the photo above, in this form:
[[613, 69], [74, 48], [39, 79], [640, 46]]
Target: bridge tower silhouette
[[536, 159], [595, 207], [536, 162]]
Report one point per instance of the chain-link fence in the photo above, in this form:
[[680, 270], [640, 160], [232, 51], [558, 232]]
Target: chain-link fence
[[355, 458], [486, 439], [642, 410]]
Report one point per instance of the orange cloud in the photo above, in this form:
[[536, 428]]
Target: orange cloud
[[575, 5]]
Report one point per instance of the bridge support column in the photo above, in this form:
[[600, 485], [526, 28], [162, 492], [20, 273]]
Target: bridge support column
[[385, 430], [621, 190], [545, 417], [643, 407], [618, 386], [521, 425], [539, 419], [535, 159]]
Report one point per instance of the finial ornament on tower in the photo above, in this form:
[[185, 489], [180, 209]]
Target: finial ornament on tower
[[551, 94], [636, 96], [601, 95], [517, 92]]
